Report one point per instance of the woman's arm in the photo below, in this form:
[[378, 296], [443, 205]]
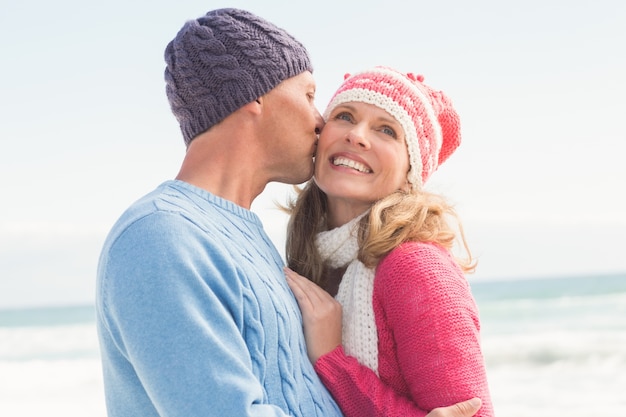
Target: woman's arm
[[356, 388], [359, 391], [426, 313]]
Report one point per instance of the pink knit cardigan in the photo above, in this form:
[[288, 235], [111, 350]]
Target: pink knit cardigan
[[428, 341]]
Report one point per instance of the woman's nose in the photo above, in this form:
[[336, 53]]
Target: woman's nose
[[358, 137]]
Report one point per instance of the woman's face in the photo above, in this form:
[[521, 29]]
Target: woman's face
[[361, 156]]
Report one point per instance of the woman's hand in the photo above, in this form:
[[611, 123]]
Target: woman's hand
[[463, 409], [321, 315]]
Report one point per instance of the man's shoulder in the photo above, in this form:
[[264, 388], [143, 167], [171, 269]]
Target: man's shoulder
[[170, 203]]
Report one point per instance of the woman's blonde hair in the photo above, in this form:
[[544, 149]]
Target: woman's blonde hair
[[416, 215]]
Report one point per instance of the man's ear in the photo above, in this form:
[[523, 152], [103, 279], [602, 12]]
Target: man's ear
[[255, 106]]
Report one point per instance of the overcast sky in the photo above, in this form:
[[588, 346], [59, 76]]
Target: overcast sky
[[540, 85]]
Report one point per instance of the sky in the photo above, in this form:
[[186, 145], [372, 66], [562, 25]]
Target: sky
[[85, 127]]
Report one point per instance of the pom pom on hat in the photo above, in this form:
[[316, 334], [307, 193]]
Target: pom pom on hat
[[224, 60], [431, 125]]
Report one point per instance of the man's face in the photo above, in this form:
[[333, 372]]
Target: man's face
[[293, 123]]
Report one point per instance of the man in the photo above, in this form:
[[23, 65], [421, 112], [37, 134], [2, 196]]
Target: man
[[194, 315]]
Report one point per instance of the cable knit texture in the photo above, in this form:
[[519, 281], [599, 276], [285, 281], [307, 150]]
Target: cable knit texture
[[428, 341], [338, 248], [195, 316], [224, 60]]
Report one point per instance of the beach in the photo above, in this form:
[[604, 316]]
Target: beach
[[553, 347], [49, 363]]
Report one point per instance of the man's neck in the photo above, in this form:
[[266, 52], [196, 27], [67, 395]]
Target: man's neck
[[225, 171]]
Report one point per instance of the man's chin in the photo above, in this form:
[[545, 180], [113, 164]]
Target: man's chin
[[306, 176]]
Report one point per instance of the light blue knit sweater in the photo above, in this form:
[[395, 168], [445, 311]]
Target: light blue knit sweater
[[195, 317]]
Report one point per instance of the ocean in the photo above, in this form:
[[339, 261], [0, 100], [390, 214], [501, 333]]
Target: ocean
[[553, 348]]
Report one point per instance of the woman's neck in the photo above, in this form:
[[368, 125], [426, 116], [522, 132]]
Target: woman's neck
[[341, 212]]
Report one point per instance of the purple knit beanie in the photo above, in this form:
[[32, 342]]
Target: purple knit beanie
[[224, 60]]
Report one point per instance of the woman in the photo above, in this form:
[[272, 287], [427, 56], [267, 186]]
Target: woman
[[408, 341]]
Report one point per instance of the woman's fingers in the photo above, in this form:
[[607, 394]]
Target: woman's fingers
[[307, 290], [311, 297], [321, 315], [296, 288]]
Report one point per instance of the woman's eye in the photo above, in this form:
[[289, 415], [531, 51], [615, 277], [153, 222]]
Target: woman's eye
[[344, 116], [388, 131]]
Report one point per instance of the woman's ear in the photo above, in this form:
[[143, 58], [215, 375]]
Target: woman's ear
[[407, 186]]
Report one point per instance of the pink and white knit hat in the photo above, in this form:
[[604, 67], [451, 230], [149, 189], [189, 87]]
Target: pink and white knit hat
[[431, 125]]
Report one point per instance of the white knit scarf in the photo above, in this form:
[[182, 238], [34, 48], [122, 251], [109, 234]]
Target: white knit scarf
[[338, 248]]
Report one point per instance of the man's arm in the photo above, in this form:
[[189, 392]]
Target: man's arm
[[172, 316]]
